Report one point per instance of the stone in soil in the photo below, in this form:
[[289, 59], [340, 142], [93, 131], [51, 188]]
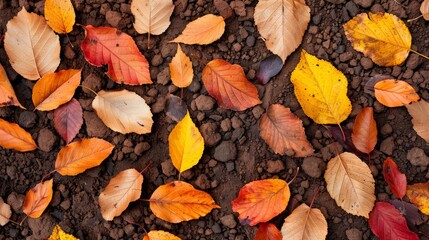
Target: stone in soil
[[204, 103], [313, 166], [168, 168], [210, 133], [41, 227], [364, 3], [354, 234], [202, 182], [223, 8], [163, 77], [113, 18], [275, 166], [46, 140], [226, 151], [27, 119], [94, 126], [229, 221], [16, 201], [417, 157], [92, 81], [387, 146]]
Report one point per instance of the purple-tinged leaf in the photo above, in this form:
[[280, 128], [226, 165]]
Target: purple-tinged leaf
[[268, 68], [410, 212], [68, 120], [175, 108]]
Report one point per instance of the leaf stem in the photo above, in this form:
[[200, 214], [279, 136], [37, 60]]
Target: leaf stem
[[294, 177], [20, 223], [181, 94], [67, 35], [47, 175], [342, 132], [414, 19], [148, 40], [144, 169], [315, 195], [421, 55], [424, 234], [82, 86]]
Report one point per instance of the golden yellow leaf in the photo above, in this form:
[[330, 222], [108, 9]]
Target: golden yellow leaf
[[152, 17], [350, 183], [60, 15], [14, 137], [419, 111], [160, 235], [203, 30], [181, 71], [7, 94], [321, 90], [5, 212], [275, 19], [381, 36], [395, 93], [186, 145], [31, 45], [59, 234], [419, 195]]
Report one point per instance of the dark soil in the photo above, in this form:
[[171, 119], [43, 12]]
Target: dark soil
[[74, 206]]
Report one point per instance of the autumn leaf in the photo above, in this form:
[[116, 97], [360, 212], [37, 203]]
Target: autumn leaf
[[364, 134], [419, 195], [396, 180], [381, 36], [7, 94], [424, 9], [321, 90], [419, 111], [408, 210], [283, 131], [5, 212], [175, 108], [186, 145], [123, 111], [203, 30], [79, 156], [160, 235], [68, 120], [59, 234], [350, 183], [106, 45], [261, 200], [228, 84], [31, 45], [275, 19], [55, 89], [305, 223], [60, 15], [395, 93], [122, 189], [386, 222], [152, 17], [181, 71], [268, 68], [179, 201], [38, 198], [268, 231], [12, 136]]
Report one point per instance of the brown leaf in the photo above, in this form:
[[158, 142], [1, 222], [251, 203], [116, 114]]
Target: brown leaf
[[38, 199], [364, 134], [420, 111], [14, 137]]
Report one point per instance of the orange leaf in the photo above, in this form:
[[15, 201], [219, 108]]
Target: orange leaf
[[228, 84], [79, 156], [105, 45], [14, 137], [124, 188], [7, 94], [60, 15], [55, 89], [38, 199], [160, 235], [395, 93], [179, 201], [364, 134], [419, 195], [181, 71], [283, 131], [268, 231], [259, 201], [203, 30]]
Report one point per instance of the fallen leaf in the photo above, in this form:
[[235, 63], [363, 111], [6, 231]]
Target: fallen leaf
[[408, 210], [395, 93], [59, 234], [424, 9], [79, 156], [38, 198], [203, 30], [179, 201], [181, 71], [55, 89], [228, 84], [381, 36], [396, 180], [122, 189], [386, 222], [350, 183], [338, 134], [106, 45], [31, 45], [175, 108], [5, 212], [419, 195], [282, 24], [419, 111], [60, 15], [305, 223], [268, 231], [186, 145], [268, 68], [364, 134], [160, 235], [283, 131], [123, 111], [321, 90], [12, 136], [261, 200], [68, 120], [7, 94], [152, 17]]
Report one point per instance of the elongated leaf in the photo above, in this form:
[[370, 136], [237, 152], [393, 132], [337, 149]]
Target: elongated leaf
[[14, 137], [59, 234], [396, 180], [181, 71], [364, 134], [38, 198], [395, 93], [269, 68], [68, 120], [5, 212], [60, 15], [7, 94], [419, 195], [160, 235], [268, 231], [152, 17], [203, 30], [420, 111]]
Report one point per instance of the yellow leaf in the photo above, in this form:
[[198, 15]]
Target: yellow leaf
[[321, 90], [152, 17], [14, 137], [350, 183], [181, 71], [7, 94], [381, 36], [419, 111], [419, 195], [60, 15], [160, 235], [186, 145], [31, 45], [59, 234]]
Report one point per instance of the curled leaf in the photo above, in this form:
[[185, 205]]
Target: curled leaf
[[269, 67]]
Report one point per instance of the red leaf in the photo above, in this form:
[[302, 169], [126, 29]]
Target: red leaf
[[68, 120], [268, 231], [386, 222], [396, 180], [364, 134]]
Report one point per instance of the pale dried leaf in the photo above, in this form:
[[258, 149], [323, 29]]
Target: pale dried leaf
[[420, 112], [151, 16], [5, 212]]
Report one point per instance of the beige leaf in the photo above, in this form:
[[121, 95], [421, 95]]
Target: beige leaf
[[424, 9], [181, 71], [7, 94], [31, 45], [152, 16], [123, 111], [282, 24], [5, 212], [349, 181], [420, 111]]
